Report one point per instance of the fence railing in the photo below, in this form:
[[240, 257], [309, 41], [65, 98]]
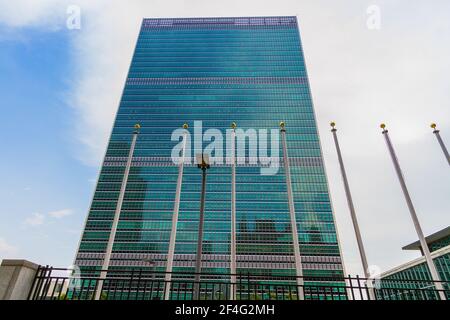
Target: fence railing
[[63, 284]]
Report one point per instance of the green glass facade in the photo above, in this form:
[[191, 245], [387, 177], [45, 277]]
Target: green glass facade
[[411, 275], [416, 275], [439, 244], [215, 70]]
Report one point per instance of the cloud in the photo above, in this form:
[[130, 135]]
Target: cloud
[[36, 219], [26, 13], [6, 249], [60, 213]]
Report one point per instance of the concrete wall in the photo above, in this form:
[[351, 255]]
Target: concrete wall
[[16, 279]]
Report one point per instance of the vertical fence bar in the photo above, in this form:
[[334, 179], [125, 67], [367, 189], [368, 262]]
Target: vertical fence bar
[[82, 288], [55, 284], [368, 294], [93, 295], [240, 286], [138, 284], [158, 289], [130, 287], [47, 283], [41, 280], [151, 289], [298, 291], [122, 290], [351, 286], [62, 288], [359, 287], [248, 285], [116, 284], [36, 275], [144, 294]]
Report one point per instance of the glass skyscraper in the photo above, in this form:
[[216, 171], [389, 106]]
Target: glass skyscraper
[[216, 70]]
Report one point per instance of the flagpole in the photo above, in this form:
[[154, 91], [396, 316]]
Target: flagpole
[[426, 251], [295, 242], [441, 142], [115, 222], [233, 214], [351, 207], [176, 208]]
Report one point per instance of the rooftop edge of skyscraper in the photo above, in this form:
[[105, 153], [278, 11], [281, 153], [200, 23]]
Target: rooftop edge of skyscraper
[[432, 238], [232, 21]]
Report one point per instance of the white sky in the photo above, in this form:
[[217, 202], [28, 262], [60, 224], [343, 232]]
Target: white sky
[[359, 78]]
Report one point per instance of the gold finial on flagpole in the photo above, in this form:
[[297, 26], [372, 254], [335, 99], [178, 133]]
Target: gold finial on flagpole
[[333, 124]]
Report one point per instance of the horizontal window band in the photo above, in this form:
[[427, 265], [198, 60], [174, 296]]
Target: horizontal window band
[[218, 80]]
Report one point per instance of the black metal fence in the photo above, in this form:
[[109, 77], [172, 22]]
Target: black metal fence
[[64, 284]]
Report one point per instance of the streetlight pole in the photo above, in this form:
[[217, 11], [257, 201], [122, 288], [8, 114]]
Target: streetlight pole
[[351, 207], [115, 222], [176, 209], [441, 143], [203, 164], [426, 251], [295, 242]]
